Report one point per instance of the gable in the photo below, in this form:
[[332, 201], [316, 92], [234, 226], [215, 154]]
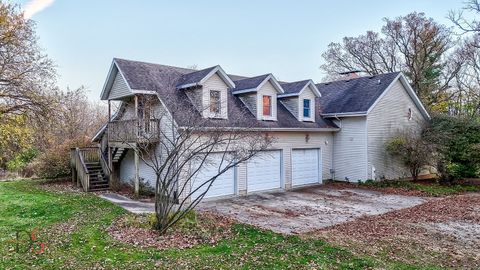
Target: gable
[[403, 95], [393, 107], [267, 89], [119, 88], [215, 82]]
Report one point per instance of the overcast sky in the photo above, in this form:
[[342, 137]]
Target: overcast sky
[[248, 38]]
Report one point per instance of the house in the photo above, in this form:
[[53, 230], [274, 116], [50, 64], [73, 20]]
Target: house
[[334, 130]]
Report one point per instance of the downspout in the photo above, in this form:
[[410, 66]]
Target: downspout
[[333, 147]]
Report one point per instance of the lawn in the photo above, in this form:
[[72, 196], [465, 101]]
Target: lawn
[[428, 188], [74, 226]]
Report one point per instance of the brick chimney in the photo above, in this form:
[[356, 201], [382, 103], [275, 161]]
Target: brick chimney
[[352, 74]]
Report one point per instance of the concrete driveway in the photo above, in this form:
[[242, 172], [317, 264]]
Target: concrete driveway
[[308, 209]]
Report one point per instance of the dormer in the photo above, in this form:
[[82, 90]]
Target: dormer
[[208, 91], [299, 99], [259, 94]]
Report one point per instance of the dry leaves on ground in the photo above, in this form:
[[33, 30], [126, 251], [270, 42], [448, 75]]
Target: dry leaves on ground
[[209, 229], [441, 231]]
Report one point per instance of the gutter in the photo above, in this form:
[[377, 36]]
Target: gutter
[[267, 129], [346, 114]]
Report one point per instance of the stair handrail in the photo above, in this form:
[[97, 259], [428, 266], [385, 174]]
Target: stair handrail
[[103, 162], [82, 170]]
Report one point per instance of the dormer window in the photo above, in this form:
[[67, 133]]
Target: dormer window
[[306, 108], [267, 105], [215, 102]]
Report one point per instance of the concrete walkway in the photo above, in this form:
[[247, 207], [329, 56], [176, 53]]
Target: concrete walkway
[[128, 204]]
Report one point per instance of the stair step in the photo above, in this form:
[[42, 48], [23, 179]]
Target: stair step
[[96, 185], [99, 189]]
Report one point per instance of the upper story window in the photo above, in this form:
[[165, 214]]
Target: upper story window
[[306, 108], [215, 102], [267, 105]]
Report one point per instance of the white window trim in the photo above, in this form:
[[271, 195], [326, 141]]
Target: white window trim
[[312, 110], [272, 115], [210, 113]]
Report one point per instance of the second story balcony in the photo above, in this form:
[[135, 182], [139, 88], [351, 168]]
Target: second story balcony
[[134, 131]]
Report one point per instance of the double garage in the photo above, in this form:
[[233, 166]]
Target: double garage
[[264, 172]]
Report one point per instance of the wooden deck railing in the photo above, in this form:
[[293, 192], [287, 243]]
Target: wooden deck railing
[[104, 163], [132, 131], [80, 170], [79, 157]]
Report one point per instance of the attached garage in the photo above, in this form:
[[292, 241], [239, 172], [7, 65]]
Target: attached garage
[[264, 171], [306, 166], [223, 185]]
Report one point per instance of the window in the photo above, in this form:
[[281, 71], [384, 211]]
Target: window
[[215, 102], [306, 108], [267, 105]]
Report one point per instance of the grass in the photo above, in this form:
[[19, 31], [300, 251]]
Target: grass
[[431, 189], [73, 227]]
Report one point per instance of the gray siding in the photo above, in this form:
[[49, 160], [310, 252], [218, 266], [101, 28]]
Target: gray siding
[[291, 104], [350, 150], [127, 170], [195, 96], [119, 88], [386, 119], [250, 100]]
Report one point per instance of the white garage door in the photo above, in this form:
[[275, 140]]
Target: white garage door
[[223, 185], [264, 171], [305, 166]]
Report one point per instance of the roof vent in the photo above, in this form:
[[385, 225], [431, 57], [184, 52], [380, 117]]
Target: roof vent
[[379, 81]]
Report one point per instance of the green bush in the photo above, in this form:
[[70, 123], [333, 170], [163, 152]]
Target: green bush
[[457, 139], [412, 150], [20, 162]]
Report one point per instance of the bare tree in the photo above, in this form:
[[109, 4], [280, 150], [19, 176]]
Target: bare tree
[[465, 25], [26, 74], [464, 95], [414, 44], [178, 144]]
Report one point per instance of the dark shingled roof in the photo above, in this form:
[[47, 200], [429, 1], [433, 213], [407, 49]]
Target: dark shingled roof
[[294, 87], [249, 83], [159, 78], [194, 77], [355, 95]]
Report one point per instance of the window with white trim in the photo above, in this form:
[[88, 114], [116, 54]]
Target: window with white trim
[[267, 105], [215, 102], [307, 112]]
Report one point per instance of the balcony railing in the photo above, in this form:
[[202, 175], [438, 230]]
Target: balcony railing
[[133, 131]]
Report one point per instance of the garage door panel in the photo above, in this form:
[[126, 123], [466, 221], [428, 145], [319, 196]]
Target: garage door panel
[[305, 166], [223, 185], [264, 171]]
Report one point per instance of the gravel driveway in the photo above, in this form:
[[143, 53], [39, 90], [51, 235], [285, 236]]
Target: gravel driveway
[[308, 209]]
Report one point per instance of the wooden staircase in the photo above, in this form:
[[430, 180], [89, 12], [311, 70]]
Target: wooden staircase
[[98, 180], [89, 169], [118, 154]]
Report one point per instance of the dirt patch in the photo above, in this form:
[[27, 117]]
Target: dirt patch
[[134, 230], [443, 232]]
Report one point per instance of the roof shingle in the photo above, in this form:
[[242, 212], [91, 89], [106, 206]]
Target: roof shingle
[[355, 95], [159, 78]]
